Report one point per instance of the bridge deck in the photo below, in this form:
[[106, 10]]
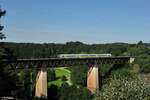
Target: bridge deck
[[57, 62], [65, 59], [46, 59]]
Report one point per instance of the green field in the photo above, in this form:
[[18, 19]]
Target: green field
[[62, 71]]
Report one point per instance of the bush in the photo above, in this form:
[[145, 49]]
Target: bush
[[124, 89], [63, 78]]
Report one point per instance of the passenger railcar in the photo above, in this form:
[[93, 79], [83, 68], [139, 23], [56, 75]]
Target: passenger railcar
[[83, 55]]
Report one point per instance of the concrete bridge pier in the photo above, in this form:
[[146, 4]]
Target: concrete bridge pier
[[41, 84], [93, 79]]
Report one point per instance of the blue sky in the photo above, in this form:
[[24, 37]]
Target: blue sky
[[89, 21]]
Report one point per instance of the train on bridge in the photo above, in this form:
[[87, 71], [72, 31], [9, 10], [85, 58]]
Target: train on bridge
[[83, 55]]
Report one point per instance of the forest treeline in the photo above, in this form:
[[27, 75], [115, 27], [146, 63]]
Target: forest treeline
[[32, 50]]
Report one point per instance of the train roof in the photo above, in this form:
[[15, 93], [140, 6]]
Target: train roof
[[85, 54]]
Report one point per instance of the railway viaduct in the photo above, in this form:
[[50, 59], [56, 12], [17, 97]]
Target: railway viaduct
[[43, 63]]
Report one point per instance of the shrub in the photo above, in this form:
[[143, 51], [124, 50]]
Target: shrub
[[63, 78], [124, 89]]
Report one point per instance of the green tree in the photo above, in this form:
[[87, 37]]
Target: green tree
[[2, 13], [79, 75], [140, 43], [51, 74], [73, 93], [53, 92], [8, 77]]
